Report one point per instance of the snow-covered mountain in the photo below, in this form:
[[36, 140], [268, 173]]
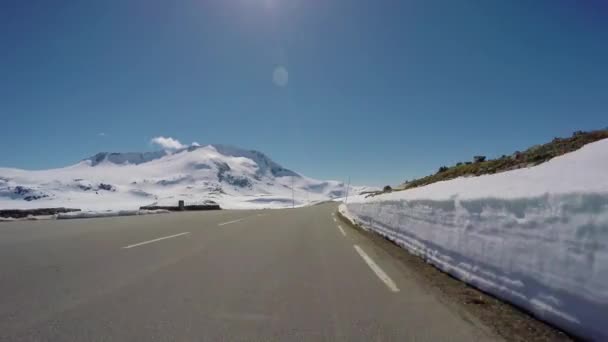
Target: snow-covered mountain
[[233, 177]]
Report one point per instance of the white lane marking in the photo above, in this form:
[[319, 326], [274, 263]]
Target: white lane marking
[[335, 220], [379, 272], [229, 222], [155, 240], [341, 230]]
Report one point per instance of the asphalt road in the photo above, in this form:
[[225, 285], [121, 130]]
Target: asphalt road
[[273, 275]]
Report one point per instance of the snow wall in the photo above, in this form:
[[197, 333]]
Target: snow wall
[[545, 252], [548, 255]]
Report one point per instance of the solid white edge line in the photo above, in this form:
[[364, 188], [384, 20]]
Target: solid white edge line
[[379, 272], [155, 240], [341, 230], [229, 222]]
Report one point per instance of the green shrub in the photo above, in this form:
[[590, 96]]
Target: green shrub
[[479, 159]]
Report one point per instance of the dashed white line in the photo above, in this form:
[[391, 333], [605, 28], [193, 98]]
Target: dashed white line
[[341, 230], [155, 240], [229, 222], [379, 272], [335, 220]]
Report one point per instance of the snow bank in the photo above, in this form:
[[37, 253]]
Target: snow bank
[[93, 214], [27, 218], [535, 237]]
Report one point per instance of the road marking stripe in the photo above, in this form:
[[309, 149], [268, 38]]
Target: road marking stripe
[[229, 222], [341, 230], [155, 240], [379, 272], [335, 220]]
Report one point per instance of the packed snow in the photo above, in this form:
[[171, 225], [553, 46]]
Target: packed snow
[[537, 237], [233, 177]]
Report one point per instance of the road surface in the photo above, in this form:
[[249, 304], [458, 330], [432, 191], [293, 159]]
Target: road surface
[[272, 275]]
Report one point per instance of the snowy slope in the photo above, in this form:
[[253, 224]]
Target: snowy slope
[[537, 237], [233, 177]]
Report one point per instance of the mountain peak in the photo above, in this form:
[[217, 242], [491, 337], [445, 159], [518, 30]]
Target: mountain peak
[[264, 163], [125, 157]]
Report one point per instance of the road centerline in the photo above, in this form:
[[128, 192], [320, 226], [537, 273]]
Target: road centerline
[[230, 222], [377, 270], [155, 240], [341, 230]]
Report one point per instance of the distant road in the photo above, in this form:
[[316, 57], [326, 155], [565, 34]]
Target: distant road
[[273, 275]]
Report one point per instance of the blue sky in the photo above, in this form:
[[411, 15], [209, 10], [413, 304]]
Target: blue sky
[[382, 91]]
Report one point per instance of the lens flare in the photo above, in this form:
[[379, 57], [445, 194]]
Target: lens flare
[[280, 76]]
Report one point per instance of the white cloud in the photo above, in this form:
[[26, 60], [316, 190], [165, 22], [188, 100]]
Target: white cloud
[[101, 134], [167, 143]]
